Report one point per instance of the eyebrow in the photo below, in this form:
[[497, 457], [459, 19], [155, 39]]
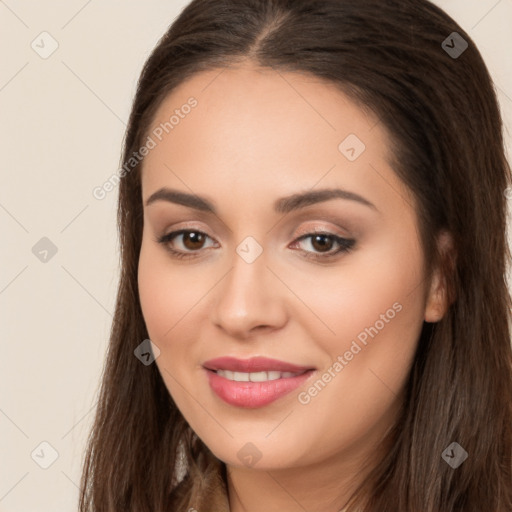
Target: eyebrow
[[283, 205]]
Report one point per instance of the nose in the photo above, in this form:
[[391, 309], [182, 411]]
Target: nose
[[249, 299]]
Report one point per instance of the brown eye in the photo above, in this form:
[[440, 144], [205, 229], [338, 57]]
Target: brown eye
[[193, 240], [321, 246], [185, 242], [322, 243]]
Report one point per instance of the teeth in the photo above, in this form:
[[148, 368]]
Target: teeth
[[255, 376]]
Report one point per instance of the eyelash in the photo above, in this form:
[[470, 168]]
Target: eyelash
[[345, 244]]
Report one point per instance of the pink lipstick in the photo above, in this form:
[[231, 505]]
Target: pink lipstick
[[254, 382]]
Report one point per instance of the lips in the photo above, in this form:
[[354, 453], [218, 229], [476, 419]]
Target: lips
[[254, 364], [255, 382]]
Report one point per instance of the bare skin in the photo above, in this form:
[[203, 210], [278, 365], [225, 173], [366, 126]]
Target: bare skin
[[256, 136]]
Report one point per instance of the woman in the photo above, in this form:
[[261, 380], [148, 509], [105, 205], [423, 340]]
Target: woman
[[312, 300]]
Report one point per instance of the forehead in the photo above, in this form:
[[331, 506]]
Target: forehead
[[252, 128]]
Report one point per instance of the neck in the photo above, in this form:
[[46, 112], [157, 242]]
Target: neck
[[325, 486]]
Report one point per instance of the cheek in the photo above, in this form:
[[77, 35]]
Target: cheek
[[366, 289], [373, 307], [174, 303], [158, 303], [167, 298], [167, 293], [376, 313]]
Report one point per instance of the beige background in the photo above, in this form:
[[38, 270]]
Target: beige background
[[62, 126]]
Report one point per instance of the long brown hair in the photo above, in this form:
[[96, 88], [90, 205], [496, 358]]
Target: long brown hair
[[400, 59]]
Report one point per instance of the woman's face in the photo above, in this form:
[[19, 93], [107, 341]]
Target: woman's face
[[273, 265]]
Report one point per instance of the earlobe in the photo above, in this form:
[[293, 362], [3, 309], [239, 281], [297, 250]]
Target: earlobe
[[439, 297], [436, 301]]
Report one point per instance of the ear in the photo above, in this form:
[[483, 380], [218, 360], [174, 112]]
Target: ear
[[439, 296]]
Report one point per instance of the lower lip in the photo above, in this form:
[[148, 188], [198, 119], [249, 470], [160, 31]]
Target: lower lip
[[254, 394]]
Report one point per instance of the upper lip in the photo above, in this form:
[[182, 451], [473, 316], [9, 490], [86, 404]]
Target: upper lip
[[254, 364]]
